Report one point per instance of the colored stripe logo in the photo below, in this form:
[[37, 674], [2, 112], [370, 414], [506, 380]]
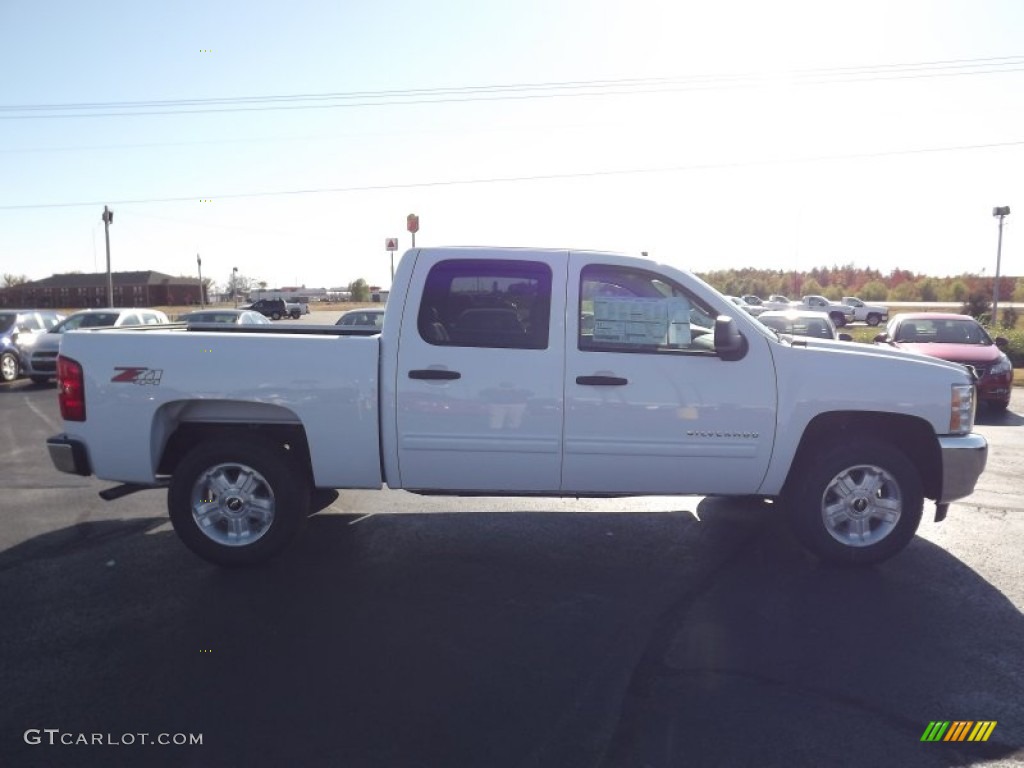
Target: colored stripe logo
[[958, 730]]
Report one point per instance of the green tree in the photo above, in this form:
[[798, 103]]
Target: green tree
[[958, 291], [928, 289], [906, 291], [1018, 291], [810, 286], [359, 289], [874, 290], [835, 292], [977, 305]]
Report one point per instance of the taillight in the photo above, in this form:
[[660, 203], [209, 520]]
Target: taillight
[[70, 389]]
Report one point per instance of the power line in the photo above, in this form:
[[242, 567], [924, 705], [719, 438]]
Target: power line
[[518, 91], [517, 179]]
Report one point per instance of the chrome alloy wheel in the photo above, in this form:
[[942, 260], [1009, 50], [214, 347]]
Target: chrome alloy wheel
[[232, 504], [861, 505], [8, 367]]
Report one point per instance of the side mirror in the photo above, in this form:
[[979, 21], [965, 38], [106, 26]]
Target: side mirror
[[1002, 342], [881, 338], [730, 344], [845, 337]]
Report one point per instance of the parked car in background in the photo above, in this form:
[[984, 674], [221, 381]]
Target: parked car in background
[[41, 363], [275, 309], [872, 314], [777, 301], [958, 339], [803, 322], [366, 319], [750, 309], [841, 314], [224, 317], [296, 309], [19, 331], [754, 301]]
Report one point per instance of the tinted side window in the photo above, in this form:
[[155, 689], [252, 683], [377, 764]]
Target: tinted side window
[[632, 310], [487, 303]]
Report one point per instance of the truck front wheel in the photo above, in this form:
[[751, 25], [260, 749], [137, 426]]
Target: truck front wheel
[[236, 502], [855, 504]]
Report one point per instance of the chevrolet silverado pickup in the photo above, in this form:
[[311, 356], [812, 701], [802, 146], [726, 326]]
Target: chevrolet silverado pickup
[[841, 314], [520, 372]]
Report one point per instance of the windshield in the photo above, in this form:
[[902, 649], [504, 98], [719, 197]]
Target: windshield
[[942, 331]]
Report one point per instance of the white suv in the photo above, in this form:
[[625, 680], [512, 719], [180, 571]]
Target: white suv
[[41, 363]]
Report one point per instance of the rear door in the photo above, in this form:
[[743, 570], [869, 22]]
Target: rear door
[[480, 372], [650, 407]]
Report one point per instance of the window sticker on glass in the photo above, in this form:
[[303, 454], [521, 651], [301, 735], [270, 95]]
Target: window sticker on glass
[[640, 321]]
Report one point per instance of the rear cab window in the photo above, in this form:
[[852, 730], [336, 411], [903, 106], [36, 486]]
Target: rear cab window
[[486, 303]]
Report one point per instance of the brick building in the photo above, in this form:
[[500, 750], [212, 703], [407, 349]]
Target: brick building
[[77, 290]]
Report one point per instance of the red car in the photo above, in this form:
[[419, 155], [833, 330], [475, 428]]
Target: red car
[[959, 339]]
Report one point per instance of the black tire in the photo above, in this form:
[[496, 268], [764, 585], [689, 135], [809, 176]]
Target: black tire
[[10, 367], [275, 315], [885, 484], [267, 501], [40, 379], [839, 319], [874, 320]]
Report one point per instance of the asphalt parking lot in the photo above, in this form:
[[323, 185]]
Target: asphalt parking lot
[[407, 631]]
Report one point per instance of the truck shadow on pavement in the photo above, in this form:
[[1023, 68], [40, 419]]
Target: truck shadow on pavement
[[1000, 418], [504, 639]]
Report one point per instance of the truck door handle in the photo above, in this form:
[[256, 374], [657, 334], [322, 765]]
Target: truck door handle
[[434, 374], [601, 381]]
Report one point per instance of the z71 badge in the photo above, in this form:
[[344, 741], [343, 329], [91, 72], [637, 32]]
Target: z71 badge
[[136, 375]]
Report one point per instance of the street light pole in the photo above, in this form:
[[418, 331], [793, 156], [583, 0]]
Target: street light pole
[[108, 219], [1001, 212], [199, 263], [234, 285]]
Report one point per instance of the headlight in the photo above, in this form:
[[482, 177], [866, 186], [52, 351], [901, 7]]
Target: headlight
[[1003, 366], [961, 409]]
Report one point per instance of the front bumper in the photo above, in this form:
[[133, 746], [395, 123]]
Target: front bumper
[[69, 455], [963, 461]]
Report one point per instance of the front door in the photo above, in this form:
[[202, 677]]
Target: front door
[[649, 406]]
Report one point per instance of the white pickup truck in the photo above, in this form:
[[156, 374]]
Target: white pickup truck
[[841, 314], [520, 372], [872, 314]]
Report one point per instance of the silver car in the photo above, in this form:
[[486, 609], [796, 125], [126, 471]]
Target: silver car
[[362, 319], [41, 362], [803, 322], [215, 317]]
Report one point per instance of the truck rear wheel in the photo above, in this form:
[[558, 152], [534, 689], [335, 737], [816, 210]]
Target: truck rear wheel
[[839, 319], [238, 502], [874, 320], [855, 504]]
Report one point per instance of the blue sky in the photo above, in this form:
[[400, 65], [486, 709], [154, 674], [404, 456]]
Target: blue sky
[[790, 134]]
